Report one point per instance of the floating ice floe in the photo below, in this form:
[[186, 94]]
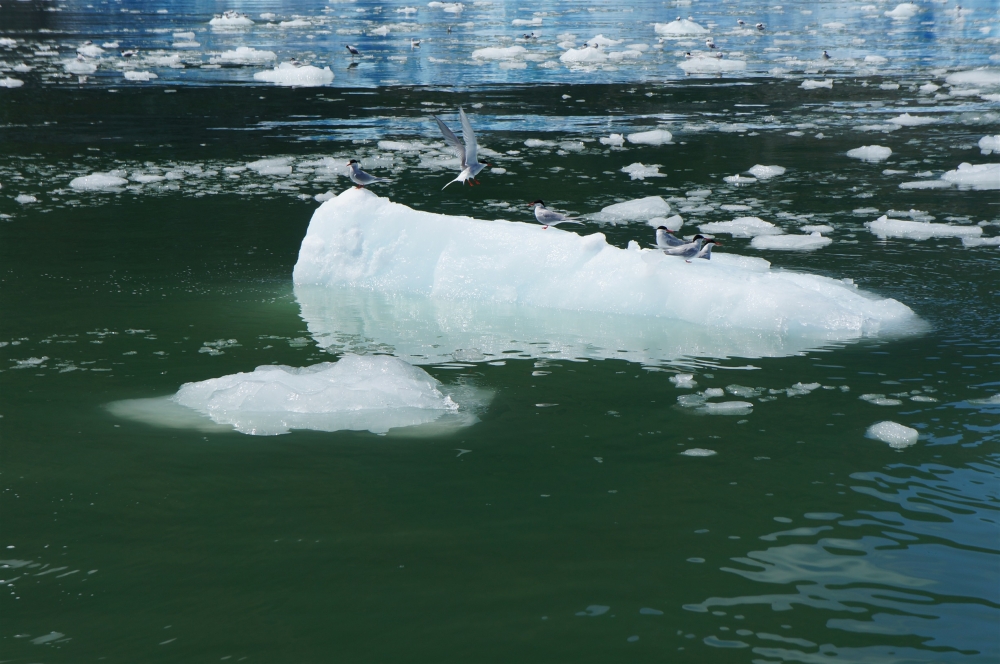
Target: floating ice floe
[[810, 242], [7, 42], [698, 452], [981, 241], [672, 224], [640, 209], [245, 55], [519, 22], [614, 140], [884, 227], [989, 144], [682, 27], [140, 76], [711, 65], [232, 19], [893, 433], [98, 182], [287, 74], [499, 53], [359, 240], [907, 120], [903, 11], [25, 199], [684, 381], [9, 82], [79, 67], [585, 55], [357, 393], [815, 85], [872, 153], [295, 23], [766, 172], [639, 171], [738, 179], [90, 51], [600, 41], [974, 176], [983, 77], [741, 227], [654, 137], [450, 7], [271, 166]]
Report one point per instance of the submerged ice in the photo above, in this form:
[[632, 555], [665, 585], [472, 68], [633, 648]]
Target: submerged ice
[[360, 240]]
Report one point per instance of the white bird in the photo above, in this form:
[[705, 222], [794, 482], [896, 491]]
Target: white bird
[[360, 178], [706, 250], [686, 250], [547, 217], [354, 51], [760, 26], [826, 56], [665, 239], [414, 43], [467, 153], [740, 22], [709, 43]]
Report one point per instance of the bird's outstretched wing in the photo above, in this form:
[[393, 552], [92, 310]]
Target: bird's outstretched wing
[[471, 148], [452, 140]]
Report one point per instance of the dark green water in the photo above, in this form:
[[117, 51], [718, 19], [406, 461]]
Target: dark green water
[[566, 531]]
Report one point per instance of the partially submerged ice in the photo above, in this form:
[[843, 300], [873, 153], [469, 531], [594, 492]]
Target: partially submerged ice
[[360, 240], [895, 434], [884, 227], [639, 209], [872, 153], [290, 75]]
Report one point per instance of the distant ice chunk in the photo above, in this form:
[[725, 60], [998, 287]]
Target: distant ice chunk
[[710, 65], [499, 53], [539, 143], [140, 76], [9, 82], [884, 227], [449, 7], [245, 55], [907, 120], [817, 228], [295, 23], [974, 176], [876, 59], [287, 74], [94, 51], [357, 393], [231, 20], [872, 153], [903, 11], [741, 227], [766, 172], [600, 41], [79, 67], [519, 22], [989, 144], [684, 381], [25, 199], [810, 242], [654, 137], [983, 77], [897, 435], [614, 140], [98, 182], [679, 28], [272, 166], [813, 85], [698, 452], [640, 209], [585, 55], [981, 241], [639, 171], [738, 179]]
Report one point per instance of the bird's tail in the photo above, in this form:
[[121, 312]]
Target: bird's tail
[[452, 182]]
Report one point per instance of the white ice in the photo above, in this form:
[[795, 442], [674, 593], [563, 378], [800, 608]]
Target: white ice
[[738, 179], [903, 11], [741, 227], [983, 77], [360, 240], [872, 153], [654, 137], [673, 224], [498, 53], [907, 120], [78, 67], [710, 65], [231, 22], [357, 393], [539, 143], [272, 166], [288, 74], [9, 82], [639, 209], [766, 172], [698, 452], [245, 55], [679, 28], [893, 433], [585, 55], [640, 171], [974, 176], [989, 144], [814, 85], [140, 76], [884, 227], [90, 51], [614, 140], [98, 182], [981, 241], [450, 7], [809, 242]]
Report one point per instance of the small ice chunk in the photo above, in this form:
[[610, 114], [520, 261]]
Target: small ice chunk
[[817, 228], [273, 166], [710, 65], [981, 241], [993, 400], [727, 408], [98, 182], [288, 74], [975, 176], [499, 53], [673, 224], [876, 59], [614, 140], [698, 452], [600, 41], [245, 55], [654, 137], [983, 77], [907, 120], [880, 400], [95, 51], [870, 153], [583, 55], [79, 67], [810, 242], [683, 381], [539, 143], [593, 610], [897, 435], [903, 11], [640, 209], [140, 76], [884, 227], [25, 199], [639, 171], [741, 227], [989, 144], [295, 23], [682, 27], [232, 20], [519, 22], [766, 172], [447, 7], [813, 85], [739, 179], [713, 392], [10, 82]]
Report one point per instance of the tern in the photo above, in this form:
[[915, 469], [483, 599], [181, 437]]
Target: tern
[[360, 178], [130, 53], [467, 153], [547, 217], [414, 43], [740, 22], [760, 26], [686, 250], [706, 250], [825, 56], [709, 43], [665, 239], [353, 49]]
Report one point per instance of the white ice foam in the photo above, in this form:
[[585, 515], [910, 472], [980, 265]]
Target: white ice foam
[[498, 53], [884, 227], [682, 27], [907, 120], [360, 240], [766, 172], [287, 74], [640, 171], [872, 153], [710, 65], [815, 85], [654, 137], [741, 227], [989, 144], [374, 393], [903, 11], [640, 209], [810, 242], [897, 435], [245, 55], [98, 182]]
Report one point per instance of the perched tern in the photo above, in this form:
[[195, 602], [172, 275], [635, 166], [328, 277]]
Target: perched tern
[[547, 217], [706, 250], [665, 239], [709, 43], [467, 153], [686, 250], [354, 51], [130, 53], [825, 56], [360, 178], [414, 43], [760, 26], [740, 22]]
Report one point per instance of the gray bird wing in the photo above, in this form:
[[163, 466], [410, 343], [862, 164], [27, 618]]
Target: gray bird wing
[[452, 140], [471, 148]]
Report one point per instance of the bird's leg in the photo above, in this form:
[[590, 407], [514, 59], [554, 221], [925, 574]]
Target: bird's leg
[[477, 181]]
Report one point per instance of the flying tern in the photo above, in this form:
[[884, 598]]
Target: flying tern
[[467, 152]]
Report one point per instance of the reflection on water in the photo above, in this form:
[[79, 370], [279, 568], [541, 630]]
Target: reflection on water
[[923, 575], [424, 330]]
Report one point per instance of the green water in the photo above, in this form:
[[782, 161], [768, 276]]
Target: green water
[[799, 540]]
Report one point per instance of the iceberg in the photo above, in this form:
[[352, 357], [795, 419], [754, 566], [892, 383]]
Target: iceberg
[[288, 74], [360, 240], [884, 227], [871, 153]]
